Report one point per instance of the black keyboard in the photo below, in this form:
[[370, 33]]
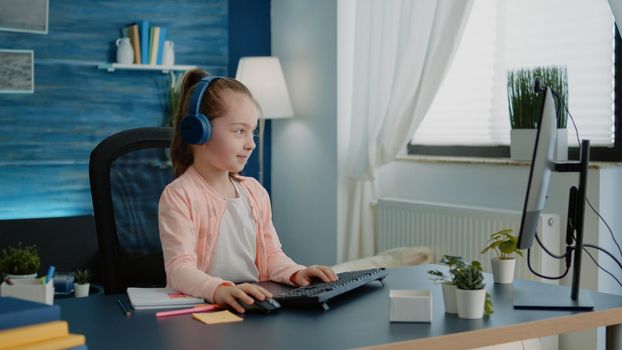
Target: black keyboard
[[320, 293]]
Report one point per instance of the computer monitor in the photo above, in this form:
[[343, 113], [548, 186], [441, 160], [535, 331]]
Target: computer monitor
[[542, 165]]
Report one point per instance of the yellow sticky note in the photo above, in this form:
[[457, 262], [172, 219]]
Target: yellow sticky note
[[217, 317]]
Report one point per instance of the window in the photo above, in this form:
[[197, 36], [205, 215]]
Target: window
[[469, 115]]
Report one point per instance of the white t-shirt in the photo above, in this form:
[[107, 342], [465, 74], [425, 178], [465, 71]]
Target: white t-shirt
[[236, 246]]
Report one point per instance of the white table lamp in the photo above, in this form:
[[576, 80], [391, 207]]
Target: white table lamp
[[264, 78]]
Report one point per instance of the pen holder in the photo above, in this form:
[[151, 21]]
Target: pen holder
[[31, 290]]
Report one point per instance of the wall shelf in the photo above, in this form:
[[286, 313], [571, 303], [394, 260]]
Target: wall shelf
[[111, 67]]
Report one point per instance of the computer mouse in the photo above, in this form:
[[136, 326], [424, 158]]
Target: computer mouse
[[262, 306]]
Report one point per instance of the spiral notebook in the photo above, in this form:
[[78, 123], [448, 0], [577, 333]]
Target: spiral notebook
[[160, 298]]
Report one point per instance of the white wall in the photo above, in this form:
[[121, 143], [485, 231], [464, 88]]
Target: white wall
[[304, 149], [609, 207]]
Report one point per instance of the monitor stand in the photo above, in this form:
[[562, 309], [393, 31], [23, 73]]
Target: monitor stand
[[552, 300]]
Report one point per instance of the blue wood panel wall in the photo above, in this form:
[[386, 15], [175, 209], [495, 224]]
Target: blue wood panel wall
[[46, 137], [249, 35]]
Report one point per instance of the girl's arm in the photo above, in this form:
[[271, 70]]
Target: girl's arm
[[179, 240]]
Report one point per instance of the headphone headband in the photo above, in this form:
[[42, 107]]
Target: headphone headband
[[197, 94]]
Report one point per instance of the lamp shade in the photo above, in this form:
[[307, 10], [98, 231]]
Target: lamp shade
[[264, 78]]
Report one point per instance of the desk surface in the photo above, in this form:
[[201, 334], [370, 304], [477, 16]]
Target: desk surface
[[360, 319]]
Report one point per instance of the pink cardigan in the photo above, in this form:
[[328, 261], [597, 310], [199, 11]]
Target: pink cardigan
[[189, 218]]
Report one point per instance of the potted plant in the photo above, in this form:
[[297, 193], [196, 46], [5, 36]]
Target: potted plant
[[81, 283], [525, 107], [455, 263], [504, 244], [171, 99], [20, 261], [471, 298]]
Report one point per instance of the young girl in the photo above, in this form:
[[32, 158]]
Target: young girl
[[215, 225]]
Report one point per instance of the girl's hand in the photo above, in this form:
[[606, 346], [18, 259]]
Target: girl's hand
[[304, 277], [245, 292]]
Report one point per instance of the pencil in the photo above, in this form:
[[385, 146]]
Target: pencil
[[126, 312], [191, 310]]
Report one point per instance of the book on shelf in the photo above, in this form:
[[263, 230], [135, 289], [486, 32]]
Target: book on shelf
[[160, 298], [143, 27], [19, 336], [17, 312], [154, 38], [147, 42], [134, 36], [161, 40]]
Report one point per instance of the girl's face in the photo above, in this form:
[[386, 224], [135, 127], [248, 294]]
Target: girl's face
[[232, 140]]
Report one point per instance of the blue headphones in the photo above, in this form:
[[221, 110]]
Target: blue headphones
[[195, 127]]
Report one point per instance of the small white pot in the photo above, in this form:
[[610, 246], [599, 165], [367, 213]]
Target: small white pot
[[81, 290], [32, 276], [125, 52], [503, 270], [470, 303], [449, 298]]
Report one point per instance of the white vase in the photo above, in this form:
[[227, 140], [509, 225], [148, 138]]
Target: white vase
[[449, 298], [81, 290], [168, 53], [31, 276], [523, 140], [125, 52], [503, 270], [470, 303]]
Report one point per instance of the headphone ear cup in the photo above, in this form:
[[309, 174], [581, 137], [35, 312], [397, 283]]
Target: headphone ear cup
[[196, 129]]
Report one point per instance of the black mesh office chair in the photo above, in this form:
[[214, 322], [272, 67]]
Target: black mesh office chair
[[128, 172]]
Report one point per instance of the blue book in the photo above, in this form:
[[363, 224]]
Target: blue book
[[161, 40], [143, 29], [18, 313]]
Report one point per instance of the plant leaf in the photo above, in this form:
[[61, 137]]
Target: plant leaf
[[488, 307]]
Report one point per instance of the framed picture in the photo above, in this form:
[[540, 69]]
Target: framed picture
[[17, 73], [29, 16]]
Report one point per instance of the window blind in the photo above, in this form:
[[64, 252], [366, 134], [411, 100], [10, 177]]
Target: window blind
[[471, 106]]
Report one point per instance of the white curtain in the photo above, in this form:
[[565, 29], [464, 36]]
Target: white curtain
[[402, 51]]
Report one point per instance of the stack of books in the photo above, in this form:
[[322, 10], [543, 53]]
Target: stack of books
[[26, 324], [147, 42]]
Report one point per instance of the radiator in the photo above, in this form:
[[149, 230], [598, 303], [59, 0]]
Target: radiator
[[462, 230]]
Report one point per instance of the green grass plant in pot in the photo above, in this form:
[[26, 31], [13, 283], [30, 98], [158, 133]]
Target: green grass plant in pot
[[455, 263], [525, 108], [471, 296], [504, 245], [20, 261]]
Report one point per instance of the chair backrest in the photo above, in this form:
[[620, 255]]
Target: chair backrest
[[128, 171]]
